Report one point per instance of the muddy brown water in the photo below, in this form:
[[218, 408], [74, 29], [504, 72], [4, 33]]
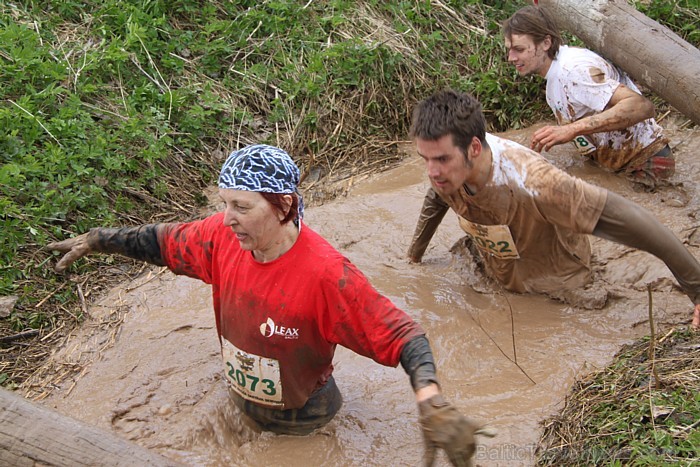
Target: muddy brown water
[[152, 370]]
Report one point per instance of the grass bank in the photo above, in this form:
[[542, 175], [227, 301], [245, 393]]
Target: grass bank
[[643, 409]]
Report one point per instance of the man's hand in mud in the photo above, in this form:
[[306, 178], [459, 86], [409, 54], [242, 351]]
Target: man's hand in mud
[[74, 249], [550, 135], [696, 317], [445, 428]]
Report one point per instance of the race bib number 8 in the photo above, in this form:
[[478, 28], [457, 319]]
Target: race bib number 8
[[253, 377], [583, 145], [494, 240]]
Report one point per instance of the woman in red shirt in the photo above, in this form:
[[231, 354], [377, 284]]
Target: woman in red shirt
[[284, 298]]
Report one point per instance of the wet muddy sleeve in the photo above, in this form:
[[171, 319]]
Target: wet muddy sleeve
[[417, 360], [625, 222], [135, 242], [431, 214]]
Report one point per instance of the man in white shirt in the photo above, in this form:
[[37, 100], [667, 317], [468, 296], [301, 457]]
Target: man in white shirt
[[597, 106]]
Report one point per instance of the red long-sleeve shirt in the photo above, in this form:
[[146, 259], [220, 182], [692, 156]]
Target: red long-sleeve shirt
[[279, 322]]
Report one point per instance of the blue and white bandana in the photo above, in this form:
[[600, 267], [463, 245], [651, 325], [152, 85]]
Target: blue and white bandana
[[261, 168]]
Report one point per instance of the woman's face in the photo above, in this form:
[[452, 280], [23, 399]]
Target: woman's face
[[255, 222]]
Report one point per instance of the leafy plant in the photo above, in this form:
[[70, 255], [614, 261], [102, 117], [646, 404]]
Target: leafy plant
[[681, 16]]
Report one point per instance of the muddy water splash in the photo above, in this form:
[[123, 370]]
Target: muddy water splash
[[503, 359]]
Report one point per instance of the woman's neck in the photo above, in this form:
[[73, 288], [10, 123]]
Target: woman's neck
[[284, 242]]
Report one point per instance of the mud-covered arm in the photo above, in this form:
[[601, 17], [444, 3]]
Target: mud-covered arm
[[135, 242], [431, 214], [625, 222], [417, 360], [442, 425], [625, 108]]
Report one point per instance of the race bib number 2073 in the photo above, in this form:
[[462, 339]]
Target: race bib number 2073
[[253, 377]]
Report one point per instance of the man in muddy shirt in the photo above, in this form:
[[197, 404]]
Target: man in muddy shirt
[[596, 105], [527, 219]]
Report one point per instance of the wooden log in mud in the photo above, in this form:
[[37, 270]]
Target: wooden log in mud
[[33, 435], [650, 53]]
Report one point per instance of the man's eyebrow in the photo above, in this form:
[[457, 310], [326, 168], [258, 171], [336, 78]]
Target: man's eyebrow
[[435, 157]]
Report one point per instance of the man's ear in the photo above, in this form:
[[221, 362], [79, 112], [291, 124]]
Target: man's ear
[[474, 149], [547, 42]]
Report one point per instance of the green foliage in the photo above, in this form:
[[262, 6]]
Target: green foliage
[[681, 16], [620, 417], [634, 435], [86, 112], [4, 380]]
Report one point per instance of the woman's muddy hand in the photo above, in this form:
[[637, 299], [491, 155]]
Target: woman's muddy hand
[[74, 249]]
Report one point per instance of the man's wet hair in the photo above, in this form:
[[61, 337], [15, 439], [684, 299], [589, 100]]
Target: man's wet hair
[[449, 112], [536, 23]]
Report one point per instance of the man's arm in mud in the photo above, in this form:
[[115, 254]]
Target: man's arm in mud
[[431, 214], [625, 108], [135, 242], [625, 222]]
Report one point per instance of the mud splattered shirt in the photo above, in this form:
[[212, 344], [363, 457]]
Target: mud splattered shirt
[[547, 212], [580, 83], [293, 310]]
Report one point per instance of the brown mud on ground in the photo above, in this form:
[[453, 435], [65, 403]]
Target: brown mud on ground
[[152, 371]]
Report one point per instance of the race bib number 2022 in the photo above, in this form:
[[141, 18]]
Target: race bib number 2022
[[253, 377], [494, 240]]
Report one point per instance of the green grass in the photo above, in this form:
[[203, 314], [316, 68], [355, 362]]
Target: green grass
[[681, 16], [620, 416]]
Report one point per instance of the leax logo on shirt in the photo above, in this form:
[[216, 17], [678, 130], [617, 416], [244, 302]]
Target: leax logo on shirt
[[269, 329]]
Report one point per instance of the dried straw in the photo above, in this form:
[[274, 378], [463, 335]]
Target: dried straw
[[583, 433]]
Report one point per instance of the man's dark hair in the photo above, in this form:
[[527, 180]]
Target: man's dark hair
[[536, 23], [449, 112]]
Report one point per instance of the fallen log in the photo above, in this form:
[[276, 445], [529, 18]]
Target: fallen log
[[650, 53], [33, 435]]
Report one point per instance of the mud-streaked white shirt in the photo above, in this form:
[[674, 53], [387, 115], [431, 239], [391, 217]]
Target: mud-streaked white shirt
[[580, 83]]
